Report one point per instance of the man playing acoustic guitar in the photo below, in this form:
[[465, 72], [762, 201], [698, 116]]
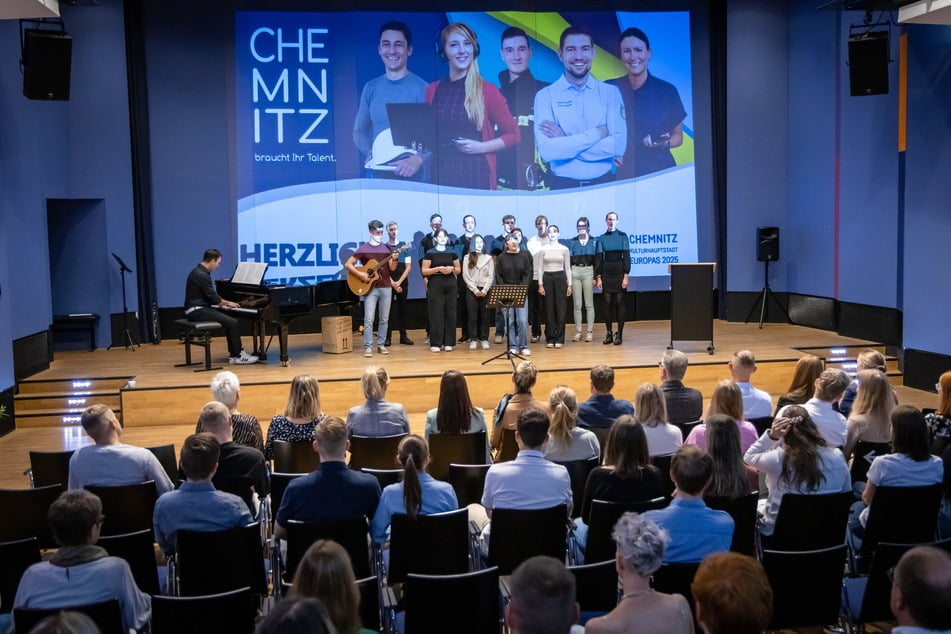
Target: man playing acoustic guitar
[[380, 294]]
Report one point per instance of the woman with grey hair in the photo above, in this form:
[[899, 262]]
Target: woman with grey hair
[[245, 429], [640, 550]]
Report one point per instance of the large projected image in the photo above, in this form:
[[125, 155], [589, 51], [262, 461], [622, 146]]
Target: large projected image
[[342, 118]]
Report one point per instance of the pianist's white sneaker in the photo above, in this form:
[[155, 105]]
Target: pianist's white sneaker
[[243, 359]]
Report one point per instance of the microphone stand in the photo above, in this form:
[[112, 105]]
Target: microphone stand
[[127, 338]]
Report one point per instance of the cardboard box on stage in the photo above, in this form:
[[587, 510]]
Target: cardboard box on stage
[[337, 334]]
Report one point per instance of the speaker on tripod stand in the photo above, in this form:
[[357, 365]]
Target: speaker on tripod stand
[[767, 250]]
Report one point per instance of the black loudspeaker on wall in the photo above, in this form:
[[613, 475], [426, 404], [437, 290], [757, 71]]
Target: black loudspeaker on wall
[[767, 244], [47, 57], [868, 64]]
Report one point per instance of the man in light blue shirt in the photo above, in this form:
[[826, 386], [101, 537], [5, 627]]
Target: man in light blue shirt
[[197, 505], [580, 128]]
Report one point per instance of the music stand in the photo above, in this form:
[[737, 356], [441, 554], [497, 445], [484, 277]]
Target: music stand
[[128, 340], [507, 297]]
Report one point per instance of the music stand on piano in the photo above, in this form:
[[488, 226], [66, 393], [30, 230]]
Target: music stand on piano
[[507, 297]]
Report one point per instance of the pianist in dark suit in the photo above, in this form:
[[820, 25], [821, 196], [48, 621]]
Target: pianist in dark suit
[[200, 296]]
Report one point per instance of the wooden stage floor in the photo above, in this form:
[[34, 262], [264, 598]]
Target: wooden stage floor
[[165, 402]]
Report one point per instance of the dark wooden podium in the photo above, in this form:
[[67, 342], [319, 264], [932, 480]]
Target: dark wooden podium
[[691, 303]]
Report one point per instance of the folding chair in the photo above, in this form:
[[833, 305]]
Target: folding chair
[[596, 586], [446, 449], [867, 599], [809, 521], [508, 448], [578, 472], [807, 586], [28, 509], [128, 507], [385, 477], [468, 481], [15, 558], [604, 515], [351, 533], [50, 467], [168, 458], [138, 549], [435, 544], [376, 452], [466, 603], [233, 612], [517, 535], [862, 456], [663, 465], [105, 614], [743, 512], [211, 562], [296, 456]]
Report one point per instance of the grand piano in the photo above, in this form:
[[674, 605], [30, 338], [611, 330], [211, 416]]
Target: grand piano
[[277, 306]]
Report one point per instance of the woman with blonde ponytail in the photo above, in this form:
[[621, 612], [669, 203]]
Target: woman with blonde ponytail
[[468, 110], [418, 494], [566, 441]]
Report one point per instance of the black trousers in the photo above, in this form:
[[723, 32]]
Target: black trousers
[[399, 303], [229, 323], [462, 308], [556, 305], [478, 316], [441, 293], [536, 308]]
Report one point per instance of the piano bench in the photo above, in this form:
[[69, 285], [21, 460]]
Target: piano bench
[[197, 333]]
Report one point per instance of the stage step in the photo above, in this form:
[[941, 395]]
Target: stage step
[[31, 404], [49, 419], [73, 386]]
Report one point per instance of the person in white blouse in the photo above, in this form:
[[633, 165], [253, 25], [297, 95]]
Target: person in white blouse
[[553, 269], [478, 273], [650, 410]]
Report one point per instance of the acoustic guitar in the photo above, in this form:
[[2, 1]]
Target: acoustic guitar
[[372, 269]]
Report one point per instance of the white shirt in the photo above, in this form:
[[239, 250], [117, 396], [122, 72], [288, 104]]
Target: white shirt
[[663, 439], [831, 423], [756, 403]]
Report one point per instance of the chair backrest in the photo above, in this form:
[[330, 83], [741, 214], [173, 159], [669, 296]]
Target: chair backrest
[[15, 558], [602, 434], [105, 614], [810, 521], [279, 482], [862, 456], [875, 601], [663, 465], [210, 562], [435, 544], [294, 456], [385, 477], [376, 452], [370, 615], [517, 535], [138, 549], [468, 480], [168, 458], [578, 471], [508, 448], [232, 611], [29, 508], [604, 515], [743, 512], [50, 467], [902, 515], [351, 533], [241, 486], [469, 602], [676, 578], [686, 428], [128, 508], [445, 449], [807, 586], [596, 586], [761, 423]]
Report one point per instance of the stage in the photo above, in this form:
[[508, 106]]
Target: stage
[[163, 405]]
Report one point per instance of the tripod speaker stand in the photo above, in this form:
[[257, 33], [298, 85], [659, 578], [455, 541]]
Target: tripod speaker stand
[[127, 338], [507, 297]]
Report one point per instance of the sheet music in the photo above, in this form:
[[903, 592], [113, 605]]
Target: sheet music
[[249, 273]]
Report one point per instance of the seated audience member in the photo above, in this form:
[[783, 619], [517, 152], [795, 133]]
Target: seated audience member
[[802, 386], [727, 399], [511, 406], [650, 410], [542, 598], [65, 623], [602, 409], [640, 551], [566, 441], [332, 491], [869, 419], [529, 482], [695, 530], [300, 417], [455, 413], [627, 475], [235, 462], [828, 390], [731, 479], [921, 591], [865, 360], [732, 595], [325, 573], [418, 493], [81, 572], [196, 505], [245, 429], [684, 404], [939, 422], [756, 402], [109, 462], [944, 514], [795, 459], [910, 464], [297, 615], [377, 416]]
